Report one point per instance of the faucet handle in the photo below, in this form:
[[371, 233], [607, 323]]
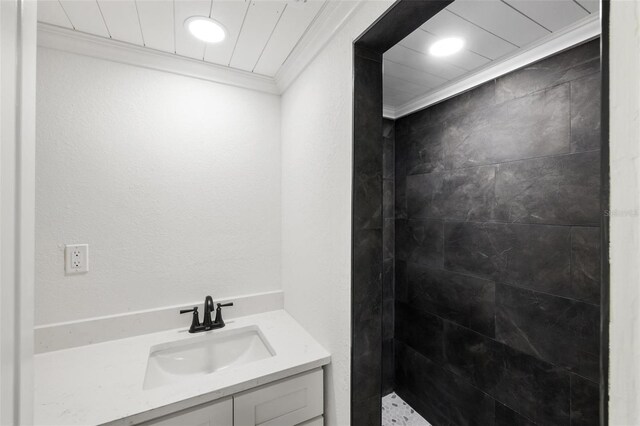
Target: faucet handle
[[219, 321], [195, 321]]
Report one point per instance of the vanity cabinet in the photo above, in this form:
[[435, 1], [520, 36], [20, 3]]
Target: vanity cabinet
[[289, 402], [217, 413], [294, 401]]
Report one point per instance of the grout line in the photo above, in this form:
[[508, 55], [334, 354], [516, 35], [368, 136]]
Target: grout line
[[497, 282], [306, 30], [492, 222], [66, 14], [104, 21], [526, 16], [570, 83], [483, 29], [581, 6], [565, 370], [233, 52], [538, 91], [273, 30], [564, 154], [204, 49], [416, 69], [135, 2]]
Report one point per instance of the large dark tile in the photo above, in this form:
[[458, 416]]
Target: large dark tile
[[420, 241], [367, 202], [563, 190], [401, 287], [388, 128], [367, 146], [400, 202], [388, 198], [534, 256], [585, 113], [534, 388], [388, 147], [401, 149], [585, 264], [366, 411], [560, 68], [507, 417], [468, 301], [364, 52], [367, 292], [532, 126], [388, 366], [388, 237], [388, 318], [441, 397], [558, 330], [388, 158], [425, 149], [466, 194], [425, 197], [388, 281], [367, 374], [420, 330], [585, 402], [464, 103]]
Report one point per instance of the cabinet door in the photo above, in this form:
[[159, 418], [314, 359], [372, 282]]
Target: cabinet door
[[217, 413], [288, 402]]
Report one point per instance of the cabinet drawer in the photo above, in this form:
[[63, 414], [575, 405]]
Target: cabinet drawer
[[218, 413], [288, 402], [318, 421]]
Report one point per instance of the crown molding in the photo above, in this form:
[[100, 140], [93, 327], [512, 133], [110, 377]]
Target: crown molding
[[331, 18], [67, 40], [334, 15], [388, 111], [581, 31]]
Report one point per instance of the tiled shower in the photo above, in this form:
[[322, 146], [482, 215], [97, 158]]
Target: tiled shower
[[491, 280]]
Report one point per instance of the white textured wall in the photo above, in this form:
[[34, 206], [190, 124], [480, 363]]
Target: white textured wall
[[316, 204], [624, 408], [174, 182]]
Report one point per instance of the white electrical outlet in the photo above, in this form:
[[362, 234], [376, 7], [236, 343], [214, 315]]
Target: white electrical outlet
[[76, 258]]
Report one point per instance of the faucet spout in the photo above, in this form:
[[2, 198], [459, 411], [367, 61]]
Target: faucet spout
[[208, 308], [207, 323]]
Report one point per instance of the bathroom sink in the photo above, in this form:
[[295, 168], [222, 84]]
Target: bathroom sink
[[211, 352]]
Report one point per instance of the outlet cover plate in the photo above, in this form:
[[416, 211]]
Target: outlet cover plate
[[76, 258]]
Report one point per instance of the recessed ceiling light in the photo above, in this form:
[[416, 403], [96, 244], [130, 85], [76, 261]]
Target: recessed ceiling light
[[446, 46], [206, 29]]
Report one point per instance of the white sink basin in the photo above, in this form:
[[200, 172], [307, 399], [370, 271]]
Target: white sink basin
[[204, 354]]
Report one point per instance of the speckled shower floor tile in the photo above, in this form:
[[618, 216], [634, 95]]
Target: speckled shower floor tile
[[396, 412]]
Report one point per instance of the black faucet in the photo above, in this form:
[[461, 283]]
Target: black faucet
[[207, 324]]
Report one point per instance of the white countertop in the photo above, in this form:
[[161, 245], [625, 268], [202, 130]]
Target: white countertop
[[103, 383]]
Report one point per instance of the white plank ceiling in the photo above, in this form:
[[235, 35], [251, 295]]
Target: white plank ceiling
[[261, 33], [492, 29]]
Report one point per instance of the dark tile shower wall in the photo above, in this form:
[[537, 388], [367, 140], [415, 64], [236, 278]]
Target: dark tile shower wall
[[366, 291], [388, 240], [497, 280]]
